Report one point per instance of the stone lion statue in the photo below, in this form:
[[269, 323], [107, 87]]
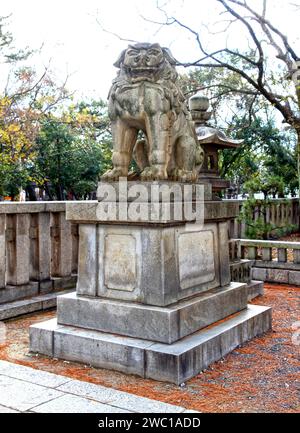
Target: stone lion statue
[[145, 100]]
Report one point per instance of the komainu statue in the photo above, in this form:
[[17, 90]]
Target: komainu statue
[[146, 100]]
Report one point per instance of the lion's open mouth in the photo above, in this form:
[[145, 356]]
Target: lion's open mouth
[[142, 71]]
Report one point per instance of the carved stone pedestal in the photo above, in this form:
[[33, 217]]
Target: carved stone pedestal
[[153, 298]]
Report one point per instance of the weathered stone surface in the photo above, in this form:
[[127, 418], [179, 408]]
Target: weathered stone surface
[[61, 245], [129, 319], [294, 278], [32, 207], [290, 266], [13, 293], [46, 286], [64, 282], [152, 323], [184, 359], [224, 269], [44, 247], [109, 351], [69, 396], [41, 337], [259, 274], [145, 101], [120, 264], [278, 275], [254, 289], [240, 270], [152, 265], [28, 374], [17, 249], [22, 395], [116, 398], [196, 258], [157, 191], [81, 211], [18, 308], [269, 244], [28, 305], [87, 260], [74, 404], [175, 362]]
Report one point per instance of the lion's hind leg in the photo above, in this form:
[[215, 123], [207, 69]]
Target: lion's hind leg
[[185, 156]]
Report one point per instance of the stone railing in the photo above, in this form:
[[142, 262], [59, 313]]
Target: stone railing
[[38, 249], [272, 261], [281, 213]]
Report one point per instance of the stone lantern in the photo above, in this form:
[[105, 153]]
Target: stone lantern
[[211, 140]]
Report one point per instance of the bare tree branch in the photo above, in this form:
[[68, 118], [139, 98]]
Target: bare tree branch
[[114, 34]]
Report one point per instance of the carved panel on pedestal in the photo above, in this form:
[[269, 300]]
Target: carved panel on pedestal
[[196, 258], [119, 263], [120, 271]]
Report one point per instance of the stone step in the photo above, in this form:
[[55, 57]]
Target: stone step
[[176, 362], [161, 324], [10, 293], [10, 310], [255, 288]]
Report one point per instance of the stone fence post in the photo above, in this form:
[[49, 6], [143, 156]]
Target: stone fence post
[[38, 249]]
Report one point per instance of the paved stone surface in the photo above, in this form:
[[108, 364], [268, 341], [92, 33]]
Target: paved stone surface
[[74, 404], [118, 398], [24, 389], [37, 377], [23, 396]]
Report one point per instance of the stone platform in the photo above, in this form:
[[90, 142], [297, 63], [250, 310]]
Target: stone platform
[[161, 324], [154, 297], [176, 362]]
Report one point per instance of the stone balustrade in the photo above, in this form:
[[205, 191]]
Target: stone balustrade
[[281, 213], [38, 249], [273, 261]]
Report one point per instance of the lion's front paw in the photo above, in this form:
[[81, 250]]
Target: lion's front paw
[[154, 173], [181, 175], [114, 174]]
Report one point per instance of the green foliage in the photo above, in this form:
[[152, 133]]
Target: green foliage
[[72, 150], [254, 212], [266, 151]]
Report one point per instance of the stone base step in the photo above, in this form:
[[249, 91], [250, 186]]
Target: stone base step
[[176, 362], [10, 310], [255, 288], [11, 293], [160, 324]]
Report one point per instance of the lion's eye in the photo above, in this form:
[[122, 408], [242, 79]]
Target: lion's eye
[[153, 52], [132, 53]]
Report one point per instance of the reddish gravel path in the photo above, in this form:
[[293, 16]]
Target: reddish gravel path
[[262, 376]]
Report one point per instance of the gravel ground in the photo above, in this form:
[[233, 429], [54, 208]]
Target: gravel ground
[[261, 376]]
